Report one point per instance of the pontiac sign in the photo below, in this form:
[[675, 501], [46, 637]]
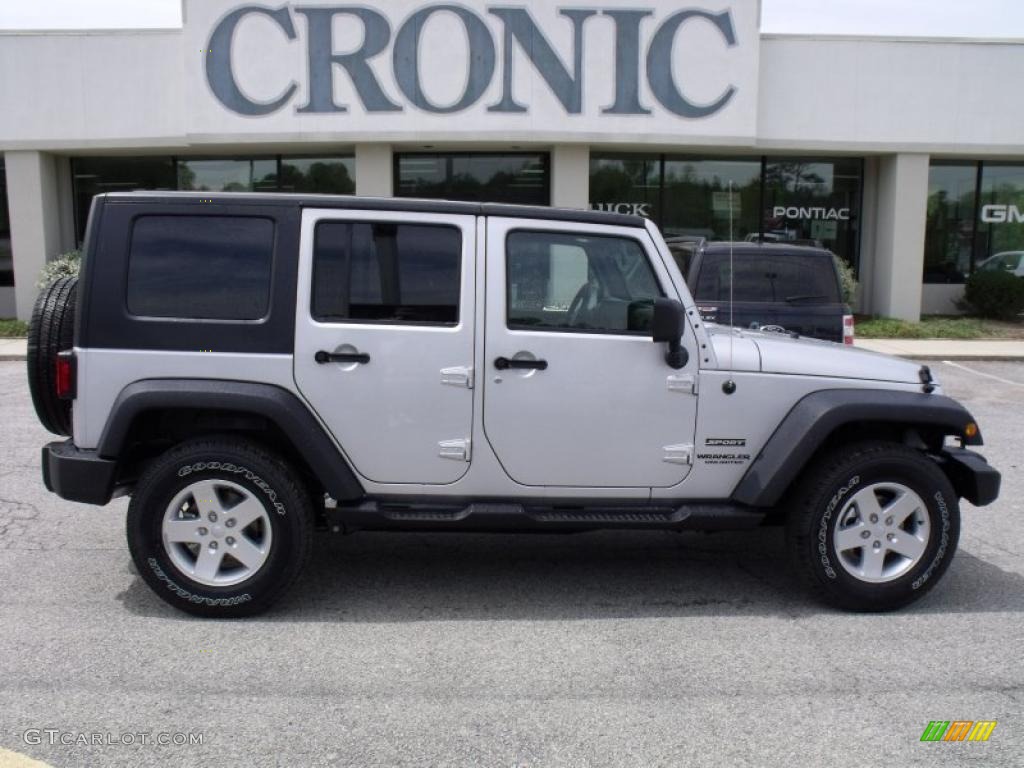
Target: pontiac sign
[[658, 67]]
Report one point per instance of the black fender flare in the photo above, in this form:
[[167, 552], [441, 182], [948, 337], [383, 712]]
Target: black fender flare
[[816, 416], [277, 405]]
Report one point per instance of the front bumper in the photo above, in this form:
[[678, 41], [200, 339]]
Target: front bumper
[[78, 475], [971, 475]]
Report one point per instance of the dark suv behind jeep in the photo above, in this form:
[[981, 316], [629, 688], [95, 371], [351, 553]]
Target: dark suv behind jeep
[[774, 287]]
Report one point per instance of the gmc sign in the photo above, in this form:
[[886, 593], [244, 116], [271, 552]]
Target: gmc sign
[[1001, 214]]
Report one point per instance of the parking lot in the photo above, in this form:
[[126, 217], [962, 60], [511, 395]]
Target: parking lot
[[605, 649]]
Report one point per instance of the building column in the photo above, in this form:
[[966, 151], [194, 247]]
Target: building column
[[901, 211], [866, 241], [374, 170], [570, 176], [34, 206]]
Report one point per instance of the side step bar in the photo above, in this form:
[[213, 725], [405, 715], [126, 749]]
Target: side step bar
[[501, 517]]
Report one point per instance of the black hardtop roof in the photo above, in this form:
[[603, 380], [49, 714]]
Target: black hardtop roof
[[355, 202], [746, 248]]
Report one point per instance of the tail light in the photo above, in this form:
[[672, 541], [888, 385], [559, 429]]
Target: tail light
[[847, 329], [64, 381]]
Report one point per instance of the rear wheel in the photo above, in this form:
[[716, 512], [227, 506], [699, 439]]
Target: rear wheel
[[874, 526], [51, 331], [220, 527]]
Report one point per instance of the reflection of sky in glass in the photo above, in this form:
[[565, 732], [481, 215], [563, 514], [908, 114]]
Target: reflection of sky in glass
[[954, 180], [993, 175], [816, 175], [224, 175], [740, 172], [649, 167], [303, 164], [428, 174]]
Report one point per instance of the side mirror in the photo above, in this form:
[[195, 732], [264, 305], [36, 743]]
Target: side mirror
[[667, 327]]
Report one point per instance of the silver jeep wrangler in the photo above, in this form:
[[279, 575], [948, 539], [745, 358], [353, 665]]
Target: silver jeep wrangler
[[254, 368]]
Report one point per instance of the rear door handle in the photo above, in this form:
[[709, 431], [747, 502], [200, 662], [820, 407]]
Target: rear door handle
[[504, 363], [341, 357]]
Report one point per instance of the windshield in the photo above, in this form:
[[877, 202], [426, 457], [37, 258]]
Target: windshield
[[805, 278]]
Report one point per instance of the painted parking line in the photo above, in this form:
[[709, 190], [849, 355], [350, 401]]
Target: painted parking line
[[982, 373], [10, 759]]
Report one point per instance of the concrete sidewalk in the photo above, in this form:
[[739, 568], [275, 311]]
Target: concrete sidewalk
[[947, 349], [12, 349], [914, 349]]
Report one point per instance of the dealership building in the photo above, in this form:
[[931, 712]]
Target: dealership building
[[903, 156]]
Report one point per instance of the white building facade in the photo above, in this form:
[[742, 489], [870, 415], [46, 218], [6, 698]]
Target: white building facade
[[903, 156]]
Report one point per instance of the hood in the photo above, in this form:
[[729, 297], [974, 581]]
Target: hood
[[811, 357], [781, 353]]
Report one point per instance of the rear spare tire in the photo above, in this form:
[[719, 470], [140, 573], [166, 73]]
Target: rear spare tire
[[51, 331]]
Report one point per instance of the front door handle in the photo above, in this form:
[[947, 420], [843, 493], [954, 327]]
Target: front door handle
[[341, 357], [504, 363]]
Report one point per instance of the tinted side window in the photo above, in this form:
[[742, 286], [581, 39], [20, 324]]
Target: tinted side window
[[386, 272], [769, 277], [572, 282], [200, 267]]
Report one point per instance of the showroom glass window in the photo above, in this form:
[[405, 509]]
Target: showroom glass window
[[813, 201], [318, 175], [697, 199], [975, 218], [626, 184], [514, 177], [244, 175], [95, 175], [6, 255], [949, 228], [1000, 227]]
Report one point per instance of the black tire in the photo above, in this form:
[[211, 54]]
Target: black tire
[[818, 502], [268, 478], [51, 331]]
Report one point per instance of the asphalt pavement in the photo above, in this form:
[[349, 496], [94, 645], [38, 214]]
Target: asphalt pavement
[[603, 649]]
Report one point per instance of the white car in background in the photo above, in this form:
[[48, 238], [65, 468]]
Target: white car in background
[[1008, 261]]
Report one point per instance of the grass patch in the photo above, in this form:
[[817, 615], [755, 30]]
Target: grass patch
[[12, 329], [937, 327]]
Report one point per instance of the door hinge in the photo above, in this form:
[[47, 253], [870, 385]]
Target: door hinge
[[678, 454], [458, 376], [682, 382], [459, 450]]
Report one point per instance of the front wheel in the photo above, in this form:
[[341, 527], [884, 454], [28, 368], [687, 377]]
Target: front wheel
[[874, 526], [220, 527]]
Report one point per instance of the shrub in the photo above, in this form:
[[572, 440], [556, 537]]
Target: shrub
[[998, 295], [65, 265], [846, 280]]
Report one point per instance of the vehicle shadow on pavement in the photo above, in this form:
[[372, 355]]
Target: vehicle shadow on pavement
[[405, 577]]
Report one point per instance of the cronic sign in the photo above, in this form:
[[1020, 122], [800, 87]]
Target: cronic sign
[[642, 64]]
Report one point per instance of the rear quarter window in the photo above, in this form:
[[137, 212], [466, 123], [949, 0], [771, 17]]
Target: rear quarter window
[[769, 277], [200, 267]]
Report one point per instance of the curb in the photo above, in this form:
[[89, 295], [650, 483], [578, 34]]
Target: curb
[[12, 358], [964, 358]]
